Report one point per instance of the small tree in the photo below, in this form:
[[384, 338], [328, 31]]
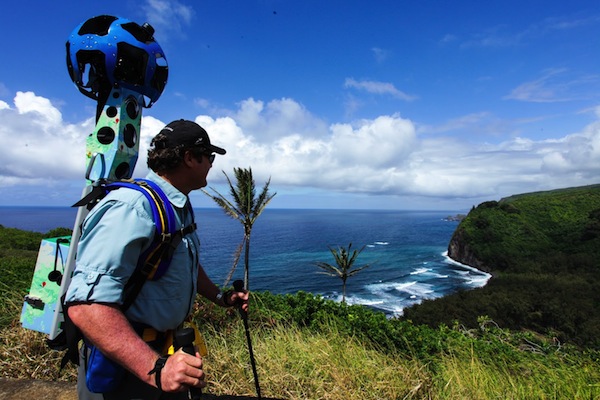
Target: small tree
[[344, 260], [246, 208]]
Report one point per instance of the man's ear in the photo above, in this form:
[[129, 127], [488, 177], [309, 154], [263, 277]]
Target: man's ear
[[188, 158]]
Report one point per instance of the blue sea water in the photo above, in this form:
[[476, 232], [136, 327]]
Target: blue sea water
[[405, 251]]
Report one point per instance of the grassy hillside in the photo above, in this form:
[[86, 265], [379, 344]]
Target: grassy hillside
[[310, 348], [544, 252]]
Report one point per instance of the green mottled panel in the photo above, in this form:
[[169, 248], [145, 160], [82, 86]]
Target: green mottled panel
[[39, 316]]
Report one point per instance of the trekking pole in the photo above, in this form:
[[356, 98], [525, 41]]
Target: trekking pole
[[184, 340], [239, 287]]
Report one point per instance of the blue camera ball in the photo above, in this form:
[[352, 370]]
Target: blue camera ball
[[107, 52]]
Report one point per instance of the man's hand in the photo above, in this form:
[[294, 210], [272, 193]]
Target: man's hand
[[239, 298], [181, 372]]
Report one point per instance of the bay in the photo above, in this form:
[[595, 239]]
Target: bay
[[405, 251]]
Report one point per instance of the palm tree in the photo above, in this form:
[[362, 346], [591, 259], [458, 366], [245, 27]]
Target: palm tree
[[344, 261], [245, 207]]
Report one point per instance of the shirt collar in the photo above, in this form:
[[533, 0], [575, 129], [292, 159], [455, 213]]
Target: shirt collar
[[176, 198]]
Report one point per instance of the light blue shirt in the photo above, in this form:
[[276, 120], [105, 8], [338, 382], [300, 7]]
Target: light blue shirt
[[114, 234]]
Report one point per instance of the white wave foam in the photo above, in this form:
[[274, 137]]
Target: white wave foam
[[472, 276], [420, 271], [429, 272], [382, 243], [421, 290], [391, 305]]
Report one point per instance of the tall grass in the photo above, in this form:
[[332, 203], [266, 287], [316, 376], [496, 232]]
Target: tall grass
[[465, 375], [296, 364], [303, 362]]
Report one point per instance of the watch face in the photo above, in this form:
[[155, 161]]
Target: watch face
[[220, 296]]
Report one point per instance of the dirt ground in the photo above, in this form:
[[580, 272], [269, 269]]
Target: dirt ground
[[12, 389]]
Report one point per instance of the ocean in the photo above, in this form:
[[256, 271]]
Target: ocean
[[406, 251]]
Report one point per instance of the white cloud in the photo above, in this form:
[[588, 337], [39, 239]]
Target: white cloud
[[277, 118], [3, 90], [502, 36], [556, 85], [168, 16], [380, 54], [37, 143], [380, 156], [376, 87]]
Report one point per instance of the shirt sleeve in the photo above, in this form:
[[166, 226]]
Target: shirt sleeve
[[113, 236]]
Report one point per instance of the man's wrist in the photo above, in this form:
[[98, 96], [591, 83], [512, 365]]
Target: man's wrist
[[157, 370], [227, 297], [224, 297]]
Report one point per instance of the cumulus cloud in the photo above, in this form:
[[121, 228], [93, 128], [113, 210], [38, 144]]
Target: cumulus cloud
[[37, 143], [282, 140], [277, 118]]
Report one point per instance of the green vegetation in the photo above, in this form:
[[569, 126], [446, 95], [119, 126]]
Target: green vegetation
[[543, 250], [307, 347], [344, 260]]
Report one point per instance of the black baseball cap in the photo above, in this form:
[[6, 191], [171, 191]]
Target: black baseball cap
[[189, 134]]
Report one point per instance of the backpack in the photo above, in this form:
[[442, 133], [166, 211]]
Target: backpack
[[153, 262]]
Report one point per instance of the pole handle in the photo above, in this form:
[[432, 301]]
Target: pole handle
[[184, 340]]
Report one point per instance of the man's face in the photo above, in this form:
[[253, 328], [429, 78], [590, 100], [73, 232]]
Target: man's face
[[201, 166]]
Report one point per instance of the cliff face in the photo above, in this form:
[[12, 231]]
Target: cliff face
[[513, 234], [459, 251]]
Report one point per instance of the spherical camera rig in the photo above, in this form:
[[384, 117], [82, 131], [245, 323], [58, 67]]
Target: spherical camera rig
[[105, 52]]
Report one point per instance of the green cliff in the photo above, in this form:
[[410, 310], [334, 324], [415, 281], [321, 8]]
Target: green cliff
[[543, 250]]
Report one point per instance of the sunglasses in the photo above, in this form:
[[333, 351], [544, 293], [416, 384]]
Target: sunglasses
[[205, 153]]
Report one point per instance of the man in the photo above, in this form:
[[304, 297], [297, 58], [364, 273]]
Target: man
[[114, 234]]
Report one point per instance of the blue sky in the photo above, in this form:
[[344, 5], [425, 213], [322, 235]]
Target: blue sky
[[343, 104]]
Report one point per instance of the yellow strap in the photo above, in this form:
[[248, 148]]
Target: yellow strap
[[200, 343]]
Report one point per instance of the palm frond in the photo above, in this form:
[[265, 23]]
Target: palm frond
[[329, 269], [263, 199], [357, 270]]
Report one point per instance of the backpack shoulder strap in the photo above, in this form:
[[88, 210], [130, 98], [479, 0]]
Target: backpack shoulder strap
[[154, 262], [162, 211]]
